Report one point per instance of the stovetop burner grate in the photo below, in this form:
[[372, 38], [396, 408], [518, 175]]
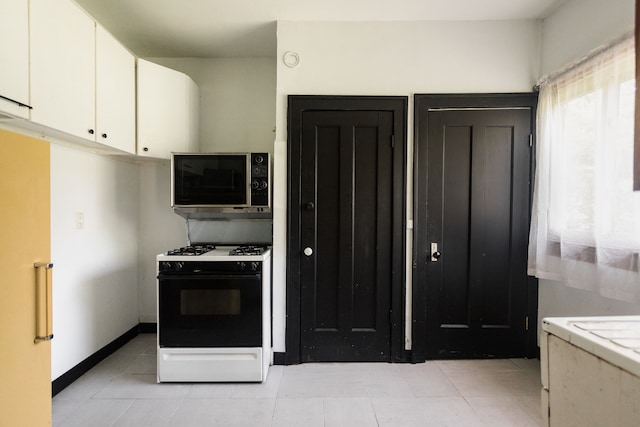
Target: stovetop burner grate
[[203, 248], [192, 250], [248, 250]]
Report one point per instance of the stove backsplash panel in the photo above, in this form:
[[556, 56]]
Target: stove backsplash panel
[[230, 231]]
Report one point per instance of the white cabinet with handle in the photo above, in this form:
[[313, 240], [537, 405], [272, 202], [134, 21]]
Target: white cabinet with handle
[[14, 58], [63, 67], [168, 111], [72, 78], [82, 78], [115, 93]]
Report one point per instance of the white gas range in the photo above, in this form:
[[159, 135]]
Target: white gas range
[[214, 318]]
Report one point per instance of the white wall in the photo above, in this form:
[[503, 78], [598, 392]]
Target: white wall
[[95, 267], [160, 230], [237, 113], [556, 299], [579, 26], [575, 29], [403, 58], [391, 58]]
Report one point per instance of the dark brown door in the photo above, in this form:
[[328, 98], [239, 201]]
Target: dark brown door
[[473, 223], [345, 246]]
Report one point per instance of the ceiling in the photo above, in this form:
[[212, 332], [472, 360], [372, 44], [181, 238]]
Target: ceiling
[[247, 28]]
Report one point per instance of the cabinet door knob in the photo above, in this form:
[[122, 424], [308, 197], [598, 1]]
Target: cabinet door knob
[[104, 135], [91, 131], [145, 149], [308, 251]]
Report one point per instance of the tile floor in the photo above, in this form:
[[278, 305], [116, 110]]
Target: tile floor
[[122, 391]]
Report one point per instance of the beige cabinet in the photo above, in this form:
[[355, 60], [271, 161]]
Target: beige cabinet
[[25, 362], [167, 111], [590, 369], [63, 67], [115, 93], [14, 58]]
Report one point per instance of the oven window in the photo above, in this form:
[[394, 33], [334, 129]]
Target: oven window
[[210, 302], [210, 310]]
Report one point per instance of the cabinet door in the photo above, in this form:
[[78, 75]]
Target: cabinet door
[[115, 93], [63, 67], [14, 57], [25, 365], [164, 107]]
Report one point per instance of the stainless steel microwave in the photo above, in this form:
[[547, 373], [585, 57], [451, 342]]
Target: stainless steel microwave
[[220, 180]]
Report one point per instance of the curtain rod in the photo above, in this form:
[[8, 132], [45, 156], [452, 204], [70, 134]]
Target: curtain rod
[[627, 37]]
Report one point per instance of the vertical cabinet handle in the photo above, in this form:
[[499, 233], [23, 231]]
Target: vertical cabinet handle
[[44, 301]]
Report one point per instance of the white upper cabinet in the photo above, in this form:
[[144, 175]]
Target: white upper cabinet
[[80, 81], [168, 111], [115, 93], [82, 78], [63, 67], [14, 57]]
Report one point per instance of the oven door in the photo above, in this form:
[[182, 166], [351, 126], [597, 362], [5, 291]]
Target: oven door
[[205, 309]]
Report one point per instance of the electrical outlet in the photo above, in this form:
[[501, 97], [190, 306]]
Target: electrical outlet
[[79, 220]]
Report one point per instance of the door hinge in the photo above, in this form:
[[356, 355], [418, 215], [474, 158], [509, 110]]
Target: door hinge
[[530, 140], [526, 323], [393, 141]]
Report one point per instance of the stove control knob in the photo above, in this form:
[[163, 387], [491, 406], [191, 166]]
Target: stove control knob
[[255, 265], [243, 266], [171, 266]]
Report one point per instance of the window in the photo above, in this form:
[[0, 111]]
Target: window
[[586, 218]]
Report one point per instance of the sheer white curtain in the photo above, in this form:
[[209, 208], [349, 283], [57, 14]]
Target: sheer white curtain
[[585, 227]]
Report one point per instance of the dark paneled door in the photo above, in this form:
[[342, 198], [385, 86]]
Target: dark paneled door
[[346, 234], [473, 218], [345, 248]]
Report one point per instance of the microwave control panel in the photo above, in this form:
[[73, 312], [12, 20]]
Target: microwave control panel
[[260, 179]]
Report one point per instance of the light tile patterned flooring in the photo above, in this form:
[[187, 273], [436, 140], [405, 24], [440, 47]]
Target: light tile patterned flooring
[[122, 391]]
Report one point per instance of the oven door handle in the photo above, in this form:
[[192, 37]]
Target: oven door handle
[[208, 275]]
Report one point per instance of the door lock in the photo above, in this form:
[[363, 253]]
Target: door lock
[[435, 254]]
